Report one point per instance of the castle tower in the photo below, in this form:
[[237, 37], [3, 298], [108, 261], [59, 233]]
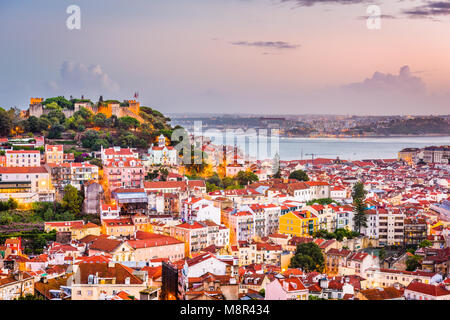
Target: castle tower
[[36, 109], [161, 141], [133, 106]]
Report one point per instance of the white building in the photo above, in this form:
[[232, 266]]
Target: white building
[[421, 291], [117, 152], [204, 263], [319, 189], [26, 184], [23, 158], [200, 210], [372, 225], [338, 193], [301, 192], [162, 154], [391, 227], [377, 277], [109, 211], [81, 173]]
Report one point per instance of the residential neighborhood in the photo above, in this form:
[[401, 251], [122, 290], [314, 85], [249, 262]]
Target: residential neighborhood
[[137, 223]]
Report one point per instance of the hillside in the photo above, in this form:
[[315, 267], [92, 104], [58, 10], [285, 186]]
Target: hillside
[[88, 125], [414, 126]]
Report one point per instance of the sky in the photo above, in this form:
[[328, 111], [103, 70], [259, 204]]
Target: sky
[[231, 56]]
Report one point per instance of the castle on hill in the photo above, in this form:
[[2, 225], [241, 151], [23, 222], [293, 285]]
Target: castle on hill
[[130, 108]]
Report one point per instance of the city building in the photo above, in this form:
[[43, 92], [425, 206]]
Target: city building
[[162, 154], [26, 184], [23, 158]]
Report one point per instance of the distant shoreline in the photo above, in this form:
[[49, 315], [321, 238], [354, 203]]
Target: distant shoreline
[[368, 137]]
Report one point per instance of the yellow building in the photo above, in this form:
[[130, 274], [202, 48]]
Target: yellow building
[[54, 154], [62, 226], [118, 227], [408, 155], [142, 223], [299, 223], [86, 230]]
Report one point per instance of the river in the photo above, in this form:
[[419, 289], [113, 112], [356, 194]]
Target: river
[[344, 148]]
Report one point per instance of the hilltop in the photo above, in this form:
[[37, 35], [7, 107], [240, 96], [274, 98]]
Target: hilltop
[[86, 124]]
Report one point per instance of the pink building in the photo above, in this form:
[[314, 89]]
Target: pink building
[[157, 246], [124, 173], [117, 152], [286, 289]]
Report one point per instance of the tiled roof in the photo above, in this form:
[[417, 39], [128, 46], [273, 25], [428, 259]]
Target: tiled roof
[[382, 293], [161, 240], [106, 245], [104, 270], [429, 289], [6, 170], [294, 284]]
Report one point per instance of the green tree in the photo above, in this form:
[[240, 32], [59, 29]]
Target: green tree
[[413, 263], [299, 175], [311, 297], [39, 243], [246, 177], [72, 201], [215, 180], [228, 182], [84, 114], [44, 124], [359, 207], [55, 131], [210, 187], [309, 257], [60, 101], [29, 296], [6, 123], [32, 124], [49, 215], [425, 243], [98, 143], [56, 116], [277, 175], [89, 138], [53, 106], [127, 123], [323, 201], [324, 234], [382, 254], [12, 204], [358, 191], [100, 120], [96, 162]]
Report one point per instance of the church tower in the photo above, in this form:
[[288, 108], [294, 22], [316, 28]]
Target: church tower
[[161, 141]]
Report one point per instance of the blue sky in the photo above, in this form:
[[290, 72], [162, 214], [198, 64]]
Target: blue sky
[[268, 56]]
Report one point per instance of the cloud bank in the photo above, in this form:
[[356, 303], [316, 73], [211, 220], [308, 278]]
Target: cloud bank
[[402, 83], [78, 79], [430, 9]]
